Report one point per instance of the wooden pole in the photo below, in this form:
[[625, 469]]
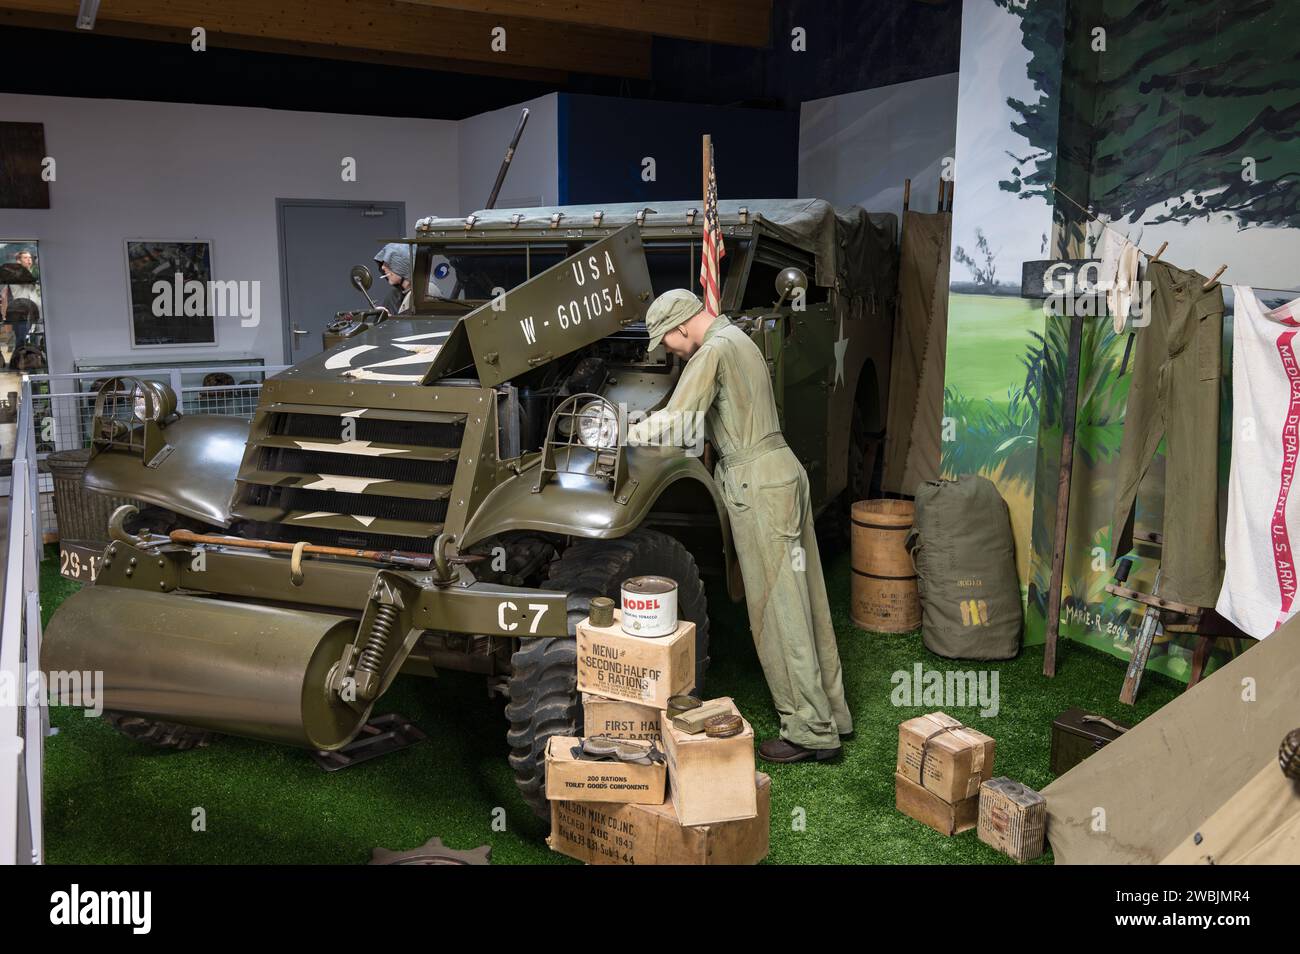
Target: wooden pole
[[942, 186], [1069, 410], [276, 546], [907, 193], [952, 188]]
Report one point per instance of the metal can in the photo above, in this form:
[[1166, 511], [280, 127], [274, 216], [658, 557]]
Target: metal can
[[649, 606]]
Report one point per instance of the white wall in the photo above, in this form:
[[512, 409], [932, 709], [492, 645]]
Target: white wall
[[857, 148], [174, 171], [534, 176]]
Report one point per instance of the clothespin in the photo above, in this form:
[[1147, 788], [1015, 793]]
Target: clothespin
[[1160, 251], [1214, 278], [690, 216], [469, 221], [597, 216]]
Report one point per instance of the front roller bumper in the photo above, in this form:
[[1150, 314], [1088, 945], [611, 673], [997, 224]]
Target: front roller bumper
[[224, 641]]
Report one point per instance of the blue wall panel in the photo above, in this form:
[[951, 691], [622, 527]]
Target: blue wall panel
[[603, 142]]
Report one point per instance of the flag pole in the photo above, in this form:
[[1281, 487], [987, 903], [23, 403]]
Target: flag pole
[[708, 155]]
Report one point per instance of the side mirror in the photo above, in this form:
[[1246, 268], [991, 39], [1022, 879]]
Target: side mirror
[[789, 282], [361, 281], [361, 278]]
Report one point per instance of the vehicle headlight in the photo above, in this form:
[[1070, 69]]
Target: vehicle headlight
[[597, 425], [163, 399]]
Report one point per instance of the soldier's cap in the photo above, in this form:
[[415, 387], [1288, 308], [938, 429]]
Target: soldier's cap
[[397, 257], [669, 310]]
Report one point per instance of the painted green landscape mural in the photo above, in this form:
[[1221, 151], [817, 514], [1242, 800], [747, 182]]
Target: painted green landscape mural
[[1162, 138]]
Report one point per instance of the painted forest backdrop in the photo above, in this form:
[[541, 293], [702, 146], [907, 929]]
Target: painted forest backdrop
[[1172, 120]]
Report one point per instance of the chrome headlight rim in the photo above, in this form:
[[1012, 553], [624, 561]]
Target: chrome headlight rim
[[603, 435], [157, 394]]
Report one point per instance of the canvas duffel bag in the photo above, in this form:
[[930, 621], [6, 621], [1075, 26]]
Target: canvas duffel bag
[[962, 546]]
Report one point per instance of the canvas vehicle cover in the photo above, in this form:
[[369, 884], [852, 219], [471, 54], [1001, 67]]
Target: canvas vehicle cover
[[1206, 762], [856, 250], [965, 559]]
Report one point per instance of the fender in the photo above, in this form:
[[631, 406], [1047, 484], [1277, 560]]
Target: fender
[[586, 507], [197, 479]]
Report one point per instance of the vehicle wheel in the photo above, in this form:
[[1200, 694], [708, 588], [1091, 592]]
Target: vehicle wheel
[[163, 735], [866, 460], [543, 682]]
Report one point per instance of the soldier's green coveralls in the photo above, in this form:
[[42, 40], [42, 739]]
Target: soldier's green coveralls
[[766, 493]]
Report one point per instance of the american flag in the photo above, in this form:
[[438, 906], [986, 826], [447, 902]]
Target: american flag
[[714, 249]]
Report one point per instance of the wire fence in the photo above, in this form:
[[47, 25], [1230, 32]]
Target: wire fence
[[63, 406]]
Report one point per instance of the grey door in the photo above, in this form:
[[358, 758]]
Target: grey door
[[320, 239]]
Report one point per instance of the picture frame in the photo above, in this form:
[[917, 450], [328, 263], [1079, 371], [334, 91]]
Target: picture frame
[[22, 164], [23, 301], [165, 317]]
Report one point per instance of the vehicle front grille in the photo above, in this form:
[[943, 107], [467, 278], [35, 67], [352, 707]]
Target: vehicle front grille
[[413, 432], [383, 468], [378, 479]]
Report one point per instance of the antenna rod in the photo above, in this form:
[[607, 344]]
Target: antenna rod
[[505, 163]]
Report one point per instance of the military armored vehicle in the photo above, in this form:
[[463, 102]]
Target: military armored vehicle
[[448, 489]]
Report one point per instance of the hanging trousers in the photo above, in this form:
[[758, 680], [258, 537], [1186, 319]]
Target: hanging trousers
[[1177, 366]]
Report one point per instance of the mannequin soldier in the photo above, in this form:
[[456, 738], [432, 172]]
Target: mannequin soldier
[[766, 491]]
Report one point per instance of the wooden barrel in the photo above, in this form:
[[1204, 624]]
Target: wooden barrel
[[884, 593]]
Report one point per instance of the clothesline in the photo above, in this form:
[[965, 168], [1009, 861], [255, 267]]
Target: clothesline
[[1106, 225]]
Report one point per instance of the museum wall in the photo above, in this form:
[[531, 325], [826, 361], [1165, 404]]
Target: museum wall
[[143, 170], [857, 148], [534, 175], [635, 150]]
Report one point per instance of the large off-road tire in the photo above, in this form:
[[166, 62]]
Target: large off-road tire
[[162, 735], [543, 682], [865, 466]]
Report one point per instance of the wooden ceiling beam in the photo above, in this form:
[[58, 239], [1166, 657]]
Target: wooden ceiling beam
[[735, 22], [390, 27], [136, 31]]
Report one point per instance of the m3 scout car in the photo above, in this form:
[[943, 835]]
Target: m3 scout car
[[448, 489]]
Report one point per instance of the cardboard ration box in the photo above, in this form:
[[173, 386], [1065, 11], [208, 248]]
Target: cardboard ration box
[[636, 669], [947, 818], [1013, 818], [956, 759], [585, 780], [604, 834], [711, 780], [620, 720]]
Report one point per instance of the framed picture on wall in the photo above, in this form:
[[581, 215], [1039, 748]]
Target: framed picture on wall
[[22, 306], [22, 162], [171, 292]]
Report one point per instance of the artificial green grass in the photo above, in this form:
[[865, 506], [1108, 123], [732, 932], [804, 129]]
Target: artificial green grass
[[111, 800]]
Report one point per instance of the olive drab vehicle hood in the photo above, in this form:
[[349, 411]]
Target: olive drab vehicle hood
[[584, 298]]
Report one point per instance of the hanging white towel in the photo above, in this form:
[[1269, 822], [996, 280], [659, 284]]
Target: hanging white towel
[[1117, 275], [1263, 535]]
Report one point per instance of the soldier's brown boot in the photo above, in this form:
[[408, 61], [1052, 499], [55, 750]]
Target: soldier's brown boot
[[780, 750]]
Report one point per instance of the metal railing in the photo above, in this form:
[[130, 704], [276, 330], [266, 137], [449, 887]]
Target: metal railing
[[62, 406], [22, 726]]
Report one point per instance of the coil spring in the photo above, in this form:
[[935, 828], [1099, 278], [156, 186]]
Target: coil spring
[[373, 655]]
